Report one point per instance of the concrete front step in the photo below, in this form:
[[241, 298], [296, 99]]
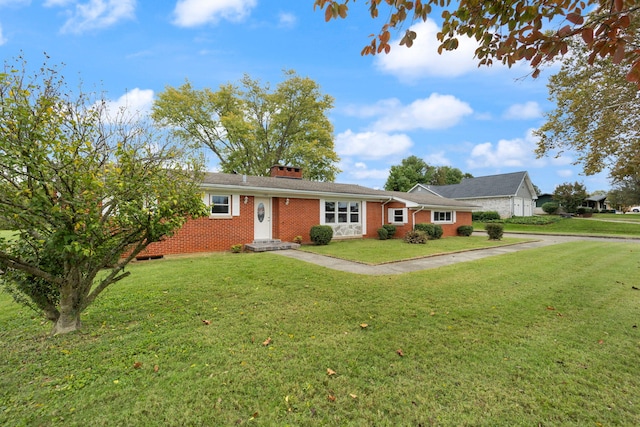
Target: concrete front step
[[270, 245]]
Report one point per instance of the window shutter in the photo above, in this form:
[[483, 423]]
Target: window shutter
[[235, 205]]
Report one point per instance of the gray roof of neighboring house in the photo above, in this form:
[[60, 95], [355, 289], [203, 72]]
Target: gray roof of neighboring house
[[597, 198], [502, 185], [300, 187]]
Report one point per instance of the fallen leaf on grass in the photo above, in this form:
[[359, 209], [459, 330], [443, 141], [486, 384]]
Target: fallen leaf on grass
[[137, 365], [331, 398], [156, 368], [363, 325], [600, 342], [206, 322], [353, 396], [550, 307], [400, 352], [330, 372], [267, 342]]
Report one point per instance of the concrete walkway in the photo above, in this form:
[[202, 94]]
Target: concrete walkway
[[441, 260]]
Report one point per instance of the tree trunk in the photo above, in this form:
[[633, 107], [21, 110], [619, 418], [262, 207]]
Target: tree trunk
[[67, 322]]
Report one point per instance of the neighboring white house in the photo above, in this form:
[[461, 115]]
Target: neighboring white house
[[510, 194]]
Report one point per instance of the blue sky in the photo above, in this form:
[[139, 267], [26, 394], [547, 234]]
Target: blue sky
[[411, 102]]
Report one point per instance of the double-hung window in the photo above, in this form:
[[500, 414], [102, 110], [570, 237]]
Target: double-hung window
[[220, 205], [398, 215]]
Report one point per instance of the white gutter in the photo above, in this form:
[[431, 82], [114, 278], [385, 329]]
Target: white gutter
[[382, 209], [413, 215]]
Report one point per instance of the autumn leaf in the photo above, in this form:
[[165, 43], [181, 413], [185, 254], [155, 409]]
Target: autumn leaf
[[330, 372], [137, 365], [353, 396], [267, 342], [363, 325], [600, 342], [156, 368], [550, 308], [331, 398], [400, 352], [206, 322]]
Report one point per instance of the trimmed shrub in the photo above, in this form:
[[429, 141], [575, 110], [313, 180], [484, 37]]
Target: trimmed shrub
[[550, 207], [483, 216], [391, 230], [416, 236], [434, 231], [494, 230], [321, 234], [465, 230], [383, 234]]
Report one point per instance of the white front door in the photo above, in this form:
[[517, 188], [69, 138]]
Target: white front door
[[262, 218]]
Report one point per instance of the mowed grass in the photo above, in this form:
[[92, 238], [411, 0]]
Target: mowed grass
[[540, 337], [576, 226], [371, 251]]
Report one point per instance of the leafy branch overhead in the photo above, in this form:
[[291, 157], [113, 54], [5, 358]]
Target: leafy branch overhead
[[511, 30]]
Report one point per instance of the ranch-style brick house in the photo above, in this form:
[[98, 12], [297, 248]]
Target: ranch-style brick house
[[246, 209]]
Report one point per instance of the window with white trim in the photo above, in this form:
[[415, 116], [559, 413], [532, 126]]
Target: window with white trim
[[442, 216], [397, 215], [220, 204], [341, 212]]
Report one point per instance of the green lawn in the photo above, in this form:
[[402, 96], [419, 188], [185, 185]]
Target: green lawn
[[578, 226], [540, 337], [371, 251]]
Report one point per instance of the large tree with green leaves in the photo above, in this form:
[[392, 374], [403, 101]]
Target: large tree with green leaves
[[510, 30], [413, 170], [597, 116], [84, 191], [570, 196], [250, 127], [625, 192]]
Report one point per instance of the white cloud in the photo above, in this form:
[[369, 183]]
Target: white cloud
[[360, 172], [564, 173], [518, 152], [287, 20], [435, 112], [372, 145], [528, 110], [3, 39], [437, 159], [137, 102], [422, 59], [94, 14], [192, 13]]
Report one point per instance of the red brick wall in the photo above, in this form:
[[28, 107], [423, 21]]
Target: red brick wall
[[208, 235], [374, 219], [294, 219]]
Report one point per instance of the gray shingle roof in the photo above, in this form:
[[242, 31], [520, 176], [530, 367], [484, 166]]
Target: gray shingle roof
[[502, 185], [300, 187]]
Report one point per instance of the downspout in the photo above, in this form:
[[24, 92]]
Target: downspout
[[413, 216], [382, 209]]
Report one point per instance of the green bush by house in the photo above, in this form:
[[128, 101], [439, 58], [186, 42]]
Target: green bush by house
[[321, 234], [434, 231]]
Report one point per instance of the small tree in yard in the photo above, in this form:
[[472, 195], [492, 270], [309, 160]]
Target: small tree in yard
[[570, 196], [85, 193]]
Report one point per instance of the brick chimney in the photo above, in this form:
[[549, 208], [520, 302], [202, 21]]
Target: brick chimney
[[278, 171]]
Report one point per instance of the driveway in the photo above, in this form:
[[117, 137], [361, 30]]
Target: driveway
[[441, 260]]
